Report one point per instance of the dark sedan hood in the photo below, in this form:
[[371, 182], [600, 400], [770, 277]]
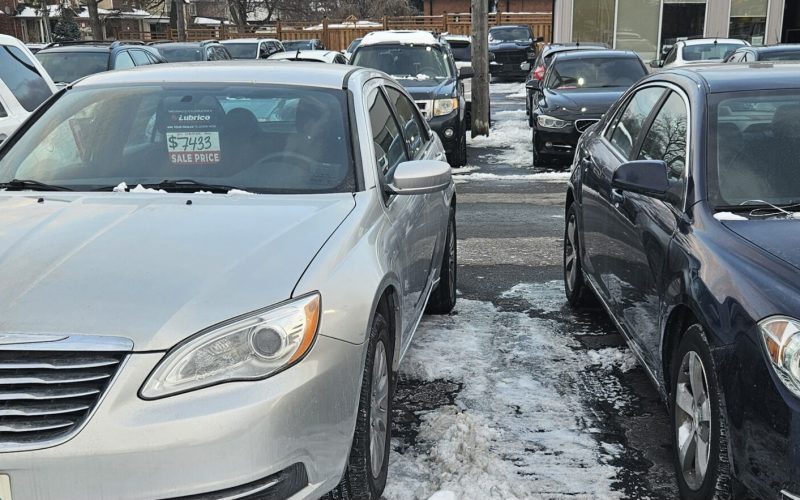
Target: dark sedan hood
[[587, 101], [780, 237], [431, 88]]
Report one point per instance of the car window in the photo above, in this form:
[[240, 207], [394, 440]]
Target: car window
[[210, 54], [222, 53], [594, 72], [672, 56], [414, 131], [666, 139], [406, 62], [746, 57], [22, 78], [140, 57], [123, 61], [386, 138], [217, 133], [153, 58], [629, 121], [708, 51]]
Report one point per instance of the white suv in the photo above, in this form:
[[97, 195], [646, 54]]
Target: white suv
[[24, 84], [698, 51]]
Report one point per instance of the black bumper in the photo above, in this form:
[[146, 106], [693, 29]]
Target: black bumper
[[454, 122], [555, 145]]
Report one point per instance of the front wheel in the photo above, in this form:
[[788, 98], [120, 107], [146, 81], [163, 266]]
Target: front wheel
[[443, 298], [458, 158], [365, 475], [698, 419], [574, 284]]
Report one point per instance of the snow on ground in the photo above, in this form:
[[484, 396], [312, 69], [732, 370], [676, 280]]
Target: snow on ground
[[511, 90], [518, 428], [484, 176], [511, 135]]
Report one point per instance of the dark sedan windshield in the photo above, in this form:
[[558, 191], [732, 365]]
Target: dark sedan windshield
[[66, 67], [411, 62], [242, 50], [510, 35], [755, 141], [253, 137], [594, 72], [186, 53]]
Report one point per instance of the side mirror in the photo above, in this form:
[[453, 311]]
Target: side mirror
[[656, 63], [420, 177], [466, 72], [646, 177], [533, 84]]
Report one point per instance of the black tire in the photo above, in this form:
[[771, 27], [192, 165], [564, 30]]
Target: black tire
[[574, 284], [443, 298], [358, 481], [716, 482], [459, 156]]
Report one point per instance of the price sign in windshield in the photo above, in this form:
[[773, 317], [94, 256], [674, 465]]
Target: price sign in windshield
[[193, 138]]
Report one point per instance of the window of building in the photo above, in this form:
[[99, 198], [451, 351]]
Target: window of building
[[749, 20], [593, 21], [682, 18], [637, 27]]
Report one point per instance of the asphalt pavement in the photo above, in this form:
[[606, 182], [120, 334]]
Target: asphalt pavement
[[517, 395]]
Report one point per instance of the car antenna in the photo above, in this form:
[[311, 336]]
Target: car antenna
[[297, 56]]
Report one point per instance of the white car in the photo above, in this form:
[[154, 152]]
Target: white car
[[24, 84], [323, 56], [698, 51], [252, 48]]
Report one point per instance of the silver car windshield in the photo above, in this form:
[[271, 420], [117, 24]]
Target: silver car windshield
[[256, 138], [755, 145]]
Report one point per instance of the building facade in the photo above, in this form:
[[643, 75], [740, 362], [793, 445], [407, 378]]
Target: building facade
[[646, 26], [439, 7]]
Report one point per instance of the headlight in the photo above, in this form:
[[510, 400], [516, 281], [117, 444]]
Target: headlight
[[444, 106], [250, 348], [551, 122], [782, 341]]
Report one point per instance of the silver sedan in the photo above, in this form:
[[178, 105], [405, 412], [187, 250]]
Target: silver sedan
[[210, 274]]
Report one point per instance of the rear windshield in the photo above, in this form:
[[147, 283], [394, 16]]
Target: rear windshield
[[784, 55], [755, 144], [66, 67], [509, 35], [181, 54], [242, 50], [258, 138], [597, 72], [462, 51], [297, 45], [22, 78], [708, 51]]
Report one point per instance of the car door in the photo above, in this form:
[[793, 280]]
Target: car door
[[598, 158], [420, 146], [648, 224], [406, 213]]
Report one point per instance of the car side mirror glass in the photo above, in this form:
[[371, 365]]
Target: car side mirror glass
[[645, 177], [420, 177], [465, 72]]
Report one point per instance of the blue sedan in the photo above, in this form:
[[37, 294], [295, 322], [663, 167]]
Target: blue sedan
[[681, 221]]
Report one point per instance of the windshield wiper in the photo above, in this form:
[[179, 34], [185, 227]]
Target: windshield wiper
[[31, 185], [189, 185]]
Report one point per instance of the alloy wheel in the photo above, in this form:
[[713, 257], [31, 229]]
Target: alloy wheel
[[693, 420], [571, 253], [379, 416], [451, 264]]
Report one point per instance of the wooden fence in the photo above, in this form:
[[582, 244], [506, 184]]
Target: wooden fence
[[338, 35]]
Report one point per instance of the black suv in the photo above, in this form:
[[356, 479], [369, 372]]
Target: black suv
[[66, 62], [210, 50], [424, 65], [512, 49]]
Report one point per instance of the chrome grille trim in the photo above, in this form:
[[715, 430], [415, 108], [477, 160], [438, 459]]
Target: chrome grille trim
[[426, 108], [582, 124], [50, 389]]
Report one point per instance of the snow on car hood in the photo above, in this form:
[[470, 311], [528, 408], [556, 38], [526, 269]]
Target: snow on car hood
[[151, 267]]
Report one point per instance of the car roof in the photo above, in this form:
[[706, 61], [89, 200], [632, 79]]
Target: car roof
[[248, 40], [317, 54], [410, 37], [556, 48], [509, 26], [183, 44], [235, 71], [79, 47], [742, 77], [611, 53], [705, 41], [782, 47], [458, 38]]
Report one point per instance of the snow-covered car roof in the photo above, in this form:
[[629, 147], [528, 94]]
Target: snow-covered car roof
[[326, 56], [458, 38], [704, 41], [407, 37]]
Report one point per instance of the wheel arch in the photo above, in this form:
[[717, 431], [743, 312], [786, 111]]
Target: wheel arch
[[680, 318], [387, 302]]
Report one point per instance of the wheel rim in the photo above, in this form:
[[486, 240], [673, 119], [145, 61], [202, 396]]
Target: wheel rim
[[379, 409], [571, 253], [693, 420], [451, 264]]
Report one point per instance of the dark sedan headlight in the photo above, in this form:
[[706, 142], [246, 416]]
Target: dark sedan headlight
[[249, 348], [781, 336], [546, 121]]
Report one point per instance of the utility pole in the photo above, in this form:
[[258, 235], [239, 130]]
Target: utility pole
[[180, 18], [480, 65]]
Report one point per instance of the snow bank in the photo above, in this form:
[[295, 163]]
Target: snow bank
[[613, 357], [485, 176], [518, 428]]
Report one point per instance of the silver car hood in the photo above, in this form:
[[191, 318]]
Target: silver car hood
[[151, 267]]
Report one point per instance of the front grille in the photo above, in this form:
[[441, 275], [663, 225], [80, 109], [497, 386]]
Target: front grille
[[46, 396], [510, 56], [584, 123], [426, 108]]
